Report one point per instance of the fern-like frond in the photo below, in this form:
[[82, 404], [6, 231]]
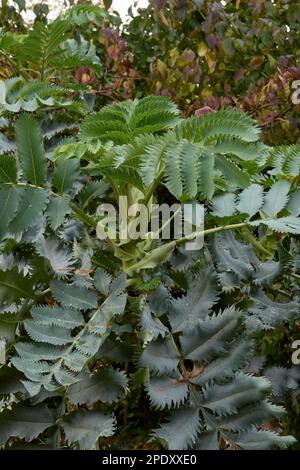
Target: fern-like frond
[[211, 127], [70, 340], [281, 161], [123, 121], [42, 45], [80, 14]]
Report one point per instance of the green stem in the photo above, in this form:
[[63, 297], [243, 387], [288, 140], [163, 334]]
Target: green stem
[[282, 292], [114, 187], [153, 187], [209, 231], [255, 243], [158, 255], [83, 216], [296, 276], [28, 185], [166, 223]]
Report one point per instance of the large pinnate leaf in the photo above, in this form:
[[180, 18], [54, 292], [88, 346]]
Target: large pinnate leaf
[[210, 127], [192, 357], [120, 122], [42, 44], [209, 377], [184, 160], [85, 427], [63, 340], [24, 422], [30, 150]]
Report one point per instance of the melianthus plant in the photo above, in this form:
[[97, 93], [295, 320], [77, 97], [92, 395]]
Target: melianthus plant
[[88, 323]]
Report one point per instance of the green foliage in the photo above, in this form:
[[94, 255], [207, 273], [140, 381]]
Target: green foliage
[[188, 159], [42, 44], [229, 400], [95, 332], [122, 122], [54, 326], [213, 384]]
